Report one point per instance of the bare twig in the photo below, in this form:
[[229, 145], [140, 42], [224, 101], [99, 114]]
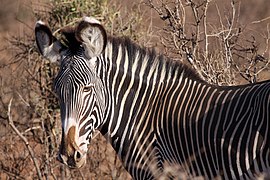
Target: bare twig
[[262, 20], [31, 152], [205, 28], [23, 100]]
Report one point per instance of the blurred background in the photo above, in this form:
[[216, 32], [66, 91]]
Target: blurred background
[[227, 43]]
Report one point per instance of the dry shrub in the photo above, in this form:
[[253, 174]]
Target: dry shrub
[[209, 35], [213, 40], [30, 116]]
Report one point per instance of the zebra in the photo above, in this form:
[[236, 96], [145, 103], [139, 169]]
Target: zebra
[[154, 111]]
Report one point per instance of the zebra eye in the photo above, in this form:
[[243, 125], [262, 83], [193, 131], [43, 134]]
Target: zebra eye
[[88, 88]]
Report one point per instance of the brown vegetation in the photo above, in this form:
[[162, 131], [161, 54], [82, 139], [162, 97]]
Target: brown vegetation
[[214, 39], [220, 40]]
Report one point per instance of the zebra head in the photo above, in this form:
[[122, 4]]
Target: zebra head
[[77, 84]]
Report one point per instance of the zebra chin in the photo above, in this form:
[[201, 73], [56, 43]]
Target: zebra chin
[[72, 161]]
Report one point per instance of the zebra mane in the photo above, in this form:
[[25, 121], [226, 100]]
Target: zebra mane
[[69, 38], [132, 48]]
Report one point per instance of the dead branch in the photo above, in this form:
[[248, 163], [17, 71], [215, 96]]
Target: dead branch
[[261, 20], [31, 152]]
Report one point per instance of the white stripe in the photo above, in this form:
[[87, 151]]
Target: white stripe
[[123, 100], [133, 71], [123, 78], [118, 60]]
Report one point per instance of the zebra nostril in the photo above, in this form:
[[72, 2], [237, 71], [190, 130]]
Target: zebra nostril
[[77, 155]]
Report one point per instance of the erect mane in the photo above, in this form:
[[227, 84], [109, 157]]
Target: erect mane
[[132, 48], [69, 38]]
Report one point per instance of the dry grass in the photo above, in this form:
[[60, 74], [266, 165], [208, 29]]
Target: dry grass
[[30, 123], [225, 50]]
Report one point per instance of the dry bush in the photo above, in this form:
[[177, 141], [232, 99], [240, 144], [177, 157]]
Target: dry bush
[[209, 35], [202, 33], [30, 115]]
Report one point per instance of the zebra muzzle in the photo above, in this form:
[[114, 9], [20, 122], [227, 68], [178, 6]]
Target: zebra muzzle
[[76, 161], [69, 152]]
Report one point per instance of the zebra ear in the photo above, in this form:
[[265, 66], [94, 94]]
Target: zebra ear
[[92, 35], [47, 44]]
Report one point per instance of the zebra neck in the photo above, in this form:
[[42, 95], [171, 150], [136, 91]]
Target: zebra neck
[[133, 77], [125, 60]]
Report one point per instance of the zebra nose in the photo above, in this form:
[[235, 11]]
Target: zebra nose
[[69, 152], [76, 160], [78, 156]]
